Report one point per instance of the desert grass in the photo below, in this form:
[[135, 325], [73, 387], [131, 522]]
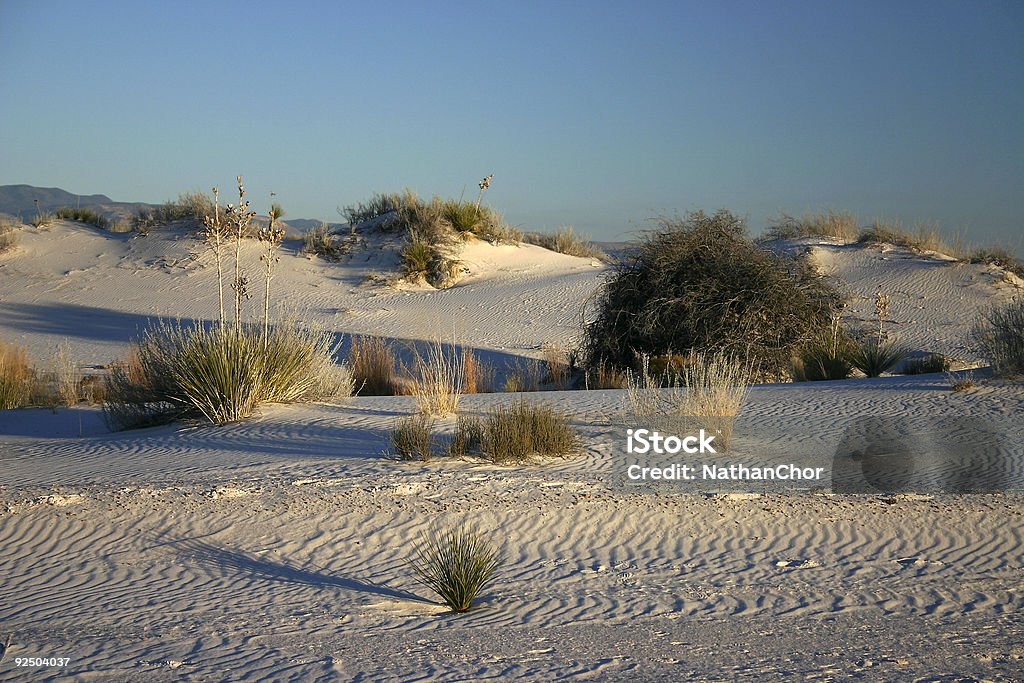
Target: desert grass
[[382, 204], [710, 389], [42, 219], [371, 361], [923, 237], [320, 241], [457, 564], [16, 376], [477, 376], [87, 216], [961, 383], [417, 256], [828, 357], [468, 438], [438, 379], [834, 224], [523, 430], [557, 367], [999, 334], [604, 376], [468, 219], [523, 375], [221, 375], [8, 235], [999, 256], [923, 365], [67, 377], [412, 437], [565, 240]]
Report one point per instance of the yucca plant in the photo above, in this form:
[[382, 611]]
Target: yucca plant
[[416, 257], [874, 357], [456, 564], [270, 237]]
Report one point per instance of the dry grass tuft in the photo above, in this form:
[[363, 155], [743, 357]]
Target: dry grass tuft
[[477, 376], [8, 235], [372, 363], [523, 375], [518, 432], [835, 224], [411, 438], [320, 241], [1000, 335], [438, 380], [566, 241], [16, 377]]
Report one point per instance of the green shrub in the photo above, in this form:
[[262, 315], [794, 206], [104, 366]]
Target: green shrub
[[221, 374], [456, 564], [522, 430], [417, 257], [1000, 335], [411, 438], [923, 365], [698, 284], [874, 357], [87, 216], [565, 241]]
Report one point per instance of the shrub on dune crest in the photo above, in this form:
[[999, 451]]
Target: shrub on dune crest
[[1000, 335], [566, 241]]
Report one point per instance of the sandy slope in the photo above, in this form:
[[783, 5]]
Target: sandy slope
[[275, 549]]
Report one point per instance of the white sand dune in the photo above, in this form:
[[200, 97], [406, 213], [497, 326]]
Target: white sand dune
[[276, 548]]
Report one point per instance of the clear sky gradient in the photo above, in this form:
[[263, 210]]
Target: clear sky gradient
[[595, 114]]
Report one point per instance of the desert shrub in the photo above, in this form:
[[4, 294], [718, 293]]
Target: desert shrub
[[960, 383], [16, 377], [417, 256], [923, 365], [566, 241], [438, 380], [42, 219], [999, 256], [468, 437], [838, 224], [87, 216], [517, 432], [1000, 335], [381, 204], [411, 438], [320, 241], [873, 357], [698, 284], [221, 374], [189, 206], [371, 360], [8, 235], [456, 564]]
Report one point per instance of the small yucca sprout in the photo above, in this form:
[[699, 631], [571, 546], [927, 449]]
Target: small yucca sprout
[[456, 564]]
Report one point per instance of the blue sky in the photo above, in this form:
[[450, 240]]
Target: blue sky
[[595, 114]]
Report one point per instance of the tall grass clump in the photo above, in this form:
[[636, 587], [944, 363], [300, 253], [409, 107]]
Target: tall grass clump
[[371, 361], [87, 216], [699, 284], [836, 224], [709, 388], [221, 375], [412, 437], [320, 241], [456, 564], [438, 379], [386, 205], [999, 334], [566, 241], [189, 206], [923, 237], [8, 235], [522, 430], [16, 376]]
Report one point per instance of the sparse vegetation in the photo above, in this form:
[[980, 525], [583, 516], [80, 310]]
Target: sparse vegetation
[[998, 255], [8, 235], [190, 206], [922, 238], [372, 363], [320, 241], [87, 216], [477, 376], [411, 438], [42, 219], [438, 380], [565, 241], [923, 365], [698, 284], [523, 375], [521, 431], [604, 376], [456, 564], [1000, 336], [16, 377], [221, 374], [835, 224], [960, 383]]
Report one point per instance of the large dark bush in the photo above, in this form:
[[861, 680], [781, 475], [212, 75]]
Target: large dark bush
[[698, 283]]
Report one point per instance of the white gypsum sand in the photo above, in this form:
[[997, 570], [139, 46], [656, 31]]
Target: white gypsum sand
[[276, 548]]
